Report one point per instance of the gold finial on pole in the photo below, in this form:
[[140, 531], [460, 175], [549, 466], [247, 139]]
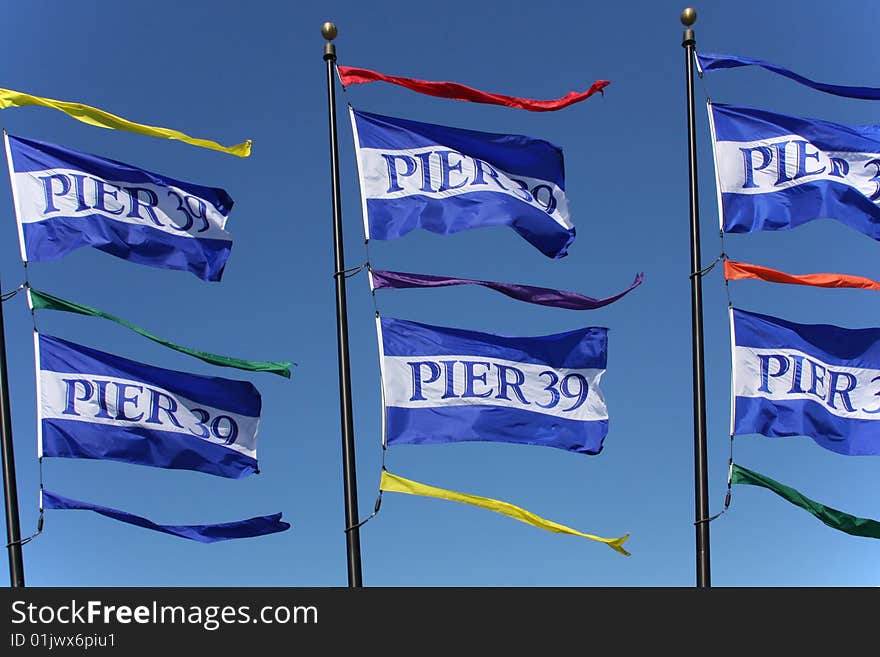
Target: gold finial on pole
[[688, 17], [328, 30]]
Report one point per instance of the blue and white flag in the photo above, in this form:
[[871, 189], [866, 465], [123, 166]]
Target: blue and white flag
[[444, 385], [776, 172], [65, 200], [813, 380], [444, 180], [95, 405]]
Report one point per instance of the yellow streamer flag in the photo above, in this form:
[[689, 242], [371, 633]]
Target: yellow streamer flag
[[102, 119], [394, 484]]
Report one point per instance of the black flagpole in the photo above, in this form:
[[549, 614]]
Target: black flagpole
[[10, 492], [701, 482], [352, 531]]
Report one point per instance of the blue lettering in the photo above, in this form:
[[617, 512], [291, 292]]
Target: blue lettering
[[876, 394], [426, 171], [122, 400], [554, 393], [183, 206], [781, 176], [416, 367], [802, 160], [156, 397], [449, 369], [817, 378], [843, 392], [839, 167], [876, 178], [550, 205], [523, 191], [87, 391], [504, 384], [479, 167], [470, 378], [393, 185], [796, 375], [446, 168], [765, 359], [100, 192], [136, 203], [204, 416], [230, 437], [48, 189], [767, 157], [80, 185], [199, 212], [103, 411]]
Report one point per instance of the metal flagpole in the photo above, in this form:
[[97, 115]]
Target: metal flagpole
[[10, 491], [352, 531], [701, 482]]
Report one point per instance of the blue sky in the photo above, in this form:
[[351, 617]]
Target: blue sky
[[231, 71]]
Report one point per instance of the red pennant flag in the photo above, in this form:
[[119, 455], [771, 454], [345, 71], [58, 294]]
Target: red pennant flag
[[351, 75], [736, 271]]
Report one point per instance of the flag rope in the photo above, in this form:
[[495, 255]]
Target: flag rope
[[727, 496], [706, 270], [730, 465], [28, 539], [351, 271], [39, 518], [354, 271], [6, 296], [28, 288], [372, 515], [726, 281]]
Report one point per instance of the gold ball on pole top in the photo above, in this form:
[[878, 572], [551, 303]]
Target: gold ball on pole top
[[328, 30], [688, 16]]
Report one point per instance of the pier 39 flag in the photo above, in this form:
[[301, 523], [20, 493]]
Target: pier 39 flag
[[776, 172], [444, 385], [811, 380], [65, 200], [95, 405], [444, 180]]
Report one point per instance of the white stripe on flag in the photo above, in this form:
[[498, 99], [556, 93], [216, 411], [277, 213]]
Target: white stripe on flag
[[790, 374], [385, 174], [44, 195], [63, 396], [39, 390], [15, 202], [441, 381], [360, 169], [770, 165]]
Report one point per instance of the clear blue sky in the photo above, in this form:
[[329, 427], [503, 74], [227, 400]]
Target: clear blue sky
[[230, 71]]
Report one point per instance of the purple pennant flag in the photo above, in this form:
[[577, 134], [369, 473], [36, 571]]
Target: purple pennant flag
[[543, 296]]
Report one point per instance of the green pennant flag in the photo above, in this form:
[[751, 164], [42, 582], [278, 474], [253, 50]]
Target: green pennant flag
[[41, 300], [832, 517]]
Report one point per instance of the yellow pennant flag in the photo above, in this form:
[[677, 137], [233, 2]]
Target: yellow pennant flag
[[102, 119], [395, 484]]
